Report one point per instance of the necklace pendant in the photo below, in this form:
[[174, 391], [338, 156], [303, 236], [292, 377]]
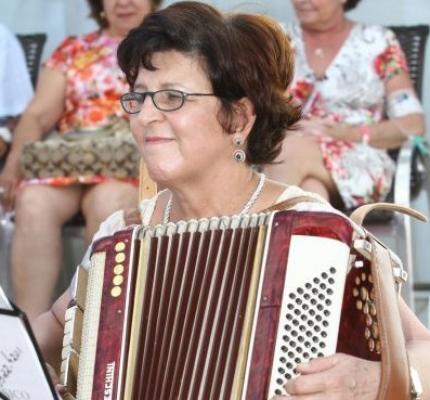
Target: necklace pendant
[[319, 52]]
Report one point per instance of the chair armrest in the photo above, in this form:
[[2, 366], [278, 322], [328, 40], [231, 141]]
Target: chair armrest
[[402, 178]]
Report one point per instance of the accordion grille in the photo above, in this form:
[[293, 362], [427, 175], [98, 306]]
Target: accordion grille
[[196, 286], [89, 329]]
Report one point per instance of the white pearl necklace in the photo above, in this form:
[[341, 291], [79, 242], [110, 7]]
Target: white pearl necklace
[[245, 209]]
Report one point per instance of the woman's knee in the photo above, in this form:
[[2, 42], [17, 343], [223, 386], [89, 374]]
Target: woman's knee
[[38, 205], [103, 199]]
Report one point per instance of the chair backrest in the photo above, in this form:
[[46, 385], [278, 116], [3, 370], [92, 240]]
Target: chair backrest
[[33, 46], [413, 42]]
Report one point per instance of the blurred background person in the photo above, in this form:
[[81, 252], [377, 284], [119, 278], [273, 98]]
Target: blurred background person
[[78, 90], [15, 85], [357, 99]]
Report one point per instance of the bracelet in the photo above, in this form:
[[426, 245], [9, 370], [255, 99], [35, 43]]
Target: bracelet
[[420, 143], [364, 131]]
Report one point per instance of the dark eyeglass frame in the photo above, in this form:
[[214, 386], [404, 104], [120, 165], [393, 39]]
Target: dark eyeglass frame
[[143, 95]]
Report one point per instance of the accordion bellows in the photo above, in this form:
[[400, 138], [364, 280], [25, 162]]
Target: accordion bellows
[[223, 308]]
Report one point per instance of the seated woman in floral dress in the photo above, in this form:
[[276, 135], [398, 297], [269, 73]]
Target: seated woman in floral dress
[[78, 92], [357, 102]]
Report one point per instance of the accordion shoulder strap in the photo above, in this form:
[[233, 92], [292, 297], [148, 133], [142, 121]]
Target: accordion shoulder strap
[[359, 214], [290, 203], [147, 187], [395, 371]]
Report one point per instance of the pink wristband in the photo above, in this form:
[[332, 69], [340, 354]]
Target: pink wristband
[[365, 133]]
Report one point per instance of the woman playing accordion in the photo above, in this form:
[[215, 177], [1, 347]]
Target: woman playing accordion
[[207, 104]]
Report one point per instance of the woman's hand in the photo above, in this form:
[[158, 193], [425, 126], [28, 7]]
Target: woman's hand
[[314, 126], [9, 179], [340, 376], [325, 127]]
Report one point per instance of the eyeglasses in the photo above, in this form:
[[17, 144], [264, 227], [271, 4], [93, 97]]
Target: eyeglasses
[[164, 100]]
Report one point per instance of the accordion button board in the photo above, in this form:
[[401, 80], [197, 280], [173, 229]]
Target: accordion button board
[[310, 312]]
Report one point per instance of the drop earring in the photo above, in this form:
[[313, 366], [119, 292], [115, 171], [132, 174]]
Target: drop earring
[[239, 155]]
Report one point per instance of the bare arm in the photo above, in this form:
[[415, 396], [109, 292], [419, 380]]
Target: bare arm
[[43, 112], [393, 132], [413, 329], [41, 115], [417, 338], [49, 330]]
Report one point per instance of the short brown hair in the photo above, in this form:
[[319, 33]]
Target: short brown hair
[[96, 7], [244, 55]]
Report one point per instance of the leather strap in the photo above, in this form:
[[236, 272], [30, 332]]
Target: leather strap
[[394, 370], [360, 213], [290, 203], [147, 187]]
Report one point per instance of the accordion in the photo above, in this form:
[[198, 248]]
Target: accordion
[[224, 308]]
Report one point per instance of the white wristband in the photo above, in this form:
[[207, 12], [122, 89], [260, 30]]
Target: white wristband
[[403, 102]]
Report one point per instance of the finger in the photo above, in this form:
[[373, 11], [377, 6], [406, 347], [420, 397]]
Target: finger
[[314, 396], [315, 383], [318, 364], [9, 197], [2, 195]]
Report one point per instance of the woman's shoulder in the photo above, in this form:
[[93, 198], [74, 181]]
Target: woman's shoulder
[[5, 34], [9, 46], [302, 200], [374, 34], [72, 44], [294, 33], [76, 49]]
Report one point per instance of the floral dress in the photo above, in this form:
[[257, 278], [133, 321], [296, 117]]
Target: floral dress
[[94, 83], [352, 92]]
